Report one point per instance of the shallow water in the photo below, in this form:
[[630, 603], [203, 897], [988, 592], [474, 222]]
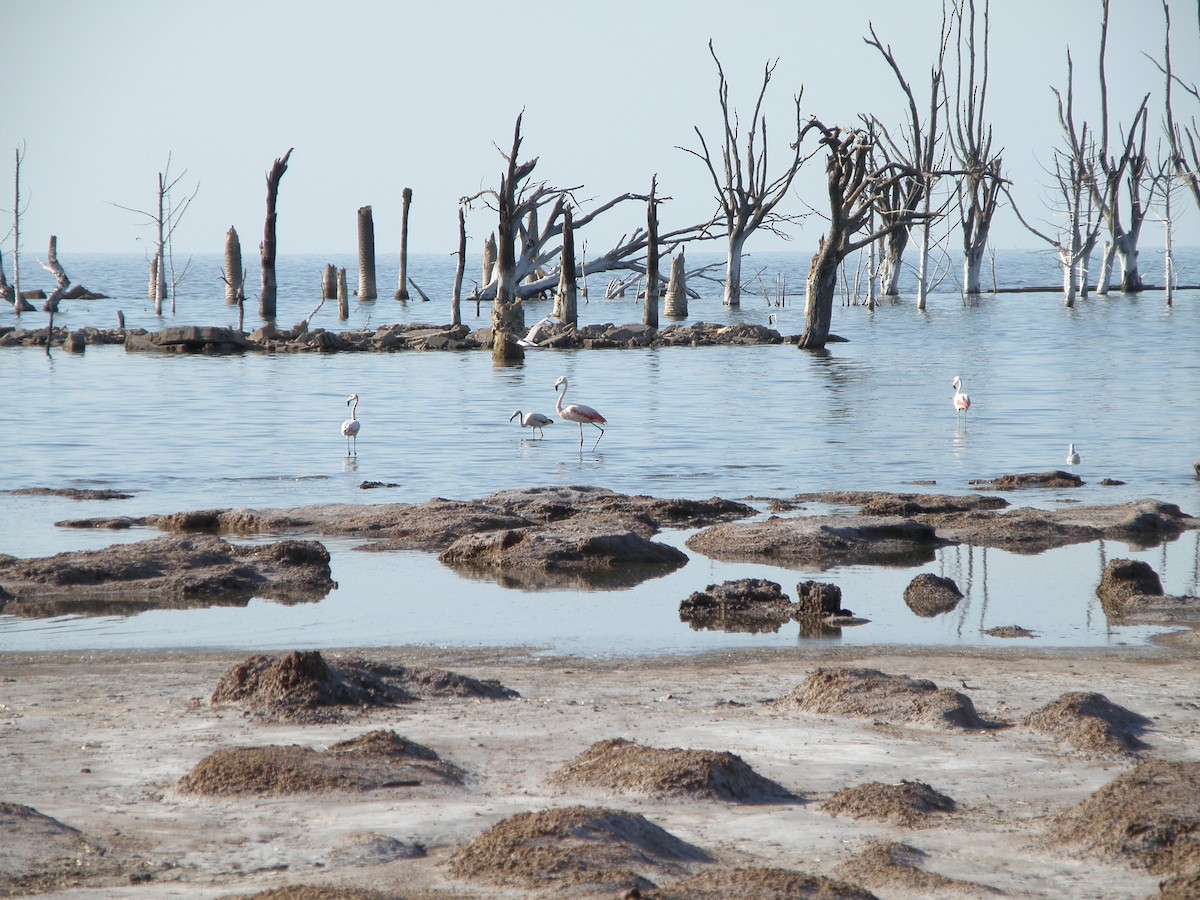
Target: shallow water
[[1118, 376]]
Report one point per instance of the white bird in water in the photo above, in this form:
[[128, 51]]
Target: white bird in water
[[351, 426], [1072, 456], [961, 401], [536, 421], [577, 412]]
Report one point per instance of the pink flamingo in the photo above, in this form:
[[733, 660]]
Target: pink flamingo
[[351, 426], [577, 412], [962, 402]]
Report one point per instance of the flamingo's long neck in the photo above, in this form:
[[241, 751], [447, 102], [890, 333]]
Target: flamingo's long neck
[[354, 411], [561, 397]]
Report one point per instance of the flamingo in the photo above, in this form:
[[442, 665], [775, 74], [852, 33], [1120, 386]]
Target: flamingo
[[536, 421], [351, 426], [1072, 456], [961, 401], [577, 412]]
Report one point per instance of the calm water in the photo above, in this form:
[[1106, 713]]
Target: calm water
[[1118, 376]]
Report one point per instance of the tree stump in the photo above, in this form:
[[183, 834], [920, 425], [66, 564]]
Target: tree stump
[[329, 282], [402, 286], [675, 304], [343, 295], [233, 266], [366, 254]]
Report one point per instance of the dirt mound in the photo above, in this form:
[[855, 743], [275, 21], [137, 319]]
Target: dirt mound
[[930, 595], [760, 883], [577, 845], [1150, 817], [301, 686], [1009, 631], [40, 854], [888, 864], [869, 693], [621, 766], [372, 849], [379, 759], [1090, 722], [908, 803], [326, 892]]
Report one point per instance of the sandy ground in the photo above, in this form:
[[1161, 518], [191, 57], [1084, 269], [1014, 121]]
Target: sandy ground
[[99, 743]]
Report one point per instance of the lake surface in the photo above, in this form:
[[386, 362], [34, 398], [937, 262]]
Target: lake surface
[[1118, 376]]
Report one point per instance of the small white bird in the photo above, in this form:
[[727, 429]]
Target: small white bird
[[1072, 456], [962, 402], [536, 421], [577, 412], [351, 426]]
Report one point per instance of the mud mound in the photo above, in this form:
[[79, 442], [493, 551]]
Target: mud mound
[[301, 686], [1090, 722], [621, 766], [887, 864], [869, 693], [40, 854], [577, 845], [909, 803], [1150, 817], [930, 595], [379, 759], [760, 883], [1009, 631]]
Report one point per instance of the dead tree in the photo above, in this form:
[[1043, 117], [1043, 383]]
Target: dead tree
[[746, 194], [539, 209], [61, 285], [855, 185], [919, 151], [165, 218], [508, 315], [329, 282], [19, 304], [1183, 140], [978, 188], [650, 308], [1074, 172], [402, 282], [460, 267], [267, 299], [1129, 170], [234, 273]]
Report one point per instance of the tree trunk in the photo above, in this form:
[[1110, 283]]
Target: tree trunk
[[343, 295], [1066, 259], [1125, 248], [233, 266], [1168, 250], [459, 268], [889, 269], [566, 300], [675, 305], [1104, 280], [650, 309], [508, 315], [973, 254], [152, 287], [489, 260], [733, 269], [267, 300], [923, 258], [820, 290], [402, 285], [366, 254]]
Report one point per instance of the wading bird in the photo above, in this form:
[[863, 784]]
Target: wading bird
[[536, 421], [961, 401], [351, 426], [1072, 456], [577, 412]]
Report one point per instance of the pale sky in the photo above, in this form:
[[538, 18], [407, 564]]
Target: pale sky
[[378, 96]]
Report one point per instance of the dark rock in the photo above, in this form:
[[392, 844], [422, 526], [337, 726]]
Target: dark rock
[[188, 339], [930, 595], [745, 605], [1055, 479]]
